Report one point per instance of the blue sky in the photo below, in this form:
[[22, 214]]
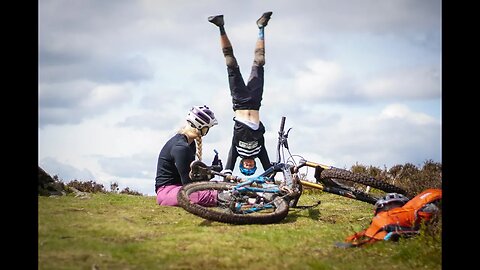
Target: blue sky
[[358, 80]]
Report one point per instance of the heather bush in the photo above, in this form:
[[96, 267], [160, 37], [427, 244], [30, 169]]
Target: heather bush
[[411, 178], [87, 186], [93, 187]]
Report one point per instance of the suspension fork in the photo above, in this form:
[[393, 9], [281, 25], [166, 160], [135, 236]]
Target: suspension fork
[[311, 164], [311, 185], [318, 169]]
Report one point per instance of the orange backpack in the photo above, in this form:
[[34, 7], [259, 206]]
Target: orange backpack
[[401, 221]]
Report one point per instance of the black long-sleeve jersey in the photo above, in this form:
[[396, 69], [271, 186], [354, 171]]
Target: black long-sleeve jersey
[[247, 142], [174, 162]]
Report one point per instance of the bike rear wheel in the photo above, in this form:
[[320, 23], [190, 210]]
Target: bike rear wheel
[[225, 215], [352, 194], [341, 174], [361, 179]]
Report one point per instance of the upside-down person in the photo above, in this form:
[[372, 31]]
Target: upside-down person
[[248, 140]]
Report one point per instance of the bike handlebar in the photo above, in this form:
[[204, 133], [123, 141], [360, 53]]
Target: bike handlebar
[[233, 178], [282, 124], [228, 176], [280, 137]]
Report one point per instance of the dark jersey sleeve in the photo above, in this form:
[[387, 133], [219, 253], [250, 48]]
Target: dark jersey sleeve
[[263, 156], [182, 161], [232, 158]]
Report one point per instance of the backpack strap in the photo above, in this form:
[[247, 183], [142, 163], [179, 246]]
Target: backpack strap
[[359, 239], [355, 236]]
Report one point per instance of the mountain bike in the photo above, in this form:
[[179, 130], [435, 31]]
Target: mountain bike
[[267, 198]]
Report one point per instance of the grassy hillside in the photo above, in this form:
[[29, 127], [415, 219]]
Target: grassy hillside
[[121, 231]]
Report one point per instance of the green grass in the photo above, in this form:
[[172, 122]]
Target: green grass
[[114, 231]]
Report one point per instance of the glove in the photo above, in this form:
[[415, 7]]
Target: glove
[[215, 158], [228, 173]]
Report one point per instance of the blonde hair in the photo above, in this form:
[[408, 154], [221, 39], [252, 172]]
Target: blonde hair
[[187, 128], [199, 147]]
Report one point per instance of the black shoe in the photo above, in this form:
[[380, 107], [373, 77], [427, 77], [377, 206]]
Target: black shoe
[[217, 20], [263, 21]]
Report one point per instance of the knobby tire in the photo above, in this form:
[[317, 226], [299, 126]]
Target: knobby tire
[[352, 194], [342, 174], [225, 216]]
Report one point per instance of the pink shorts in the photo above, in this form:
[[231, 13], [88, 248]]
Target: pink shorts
[[167, 195]]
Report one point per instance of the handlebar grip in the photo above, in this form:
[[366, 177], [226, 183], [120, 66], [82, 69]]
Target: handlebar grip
[[280, 138], [233, 178], [282, 124]]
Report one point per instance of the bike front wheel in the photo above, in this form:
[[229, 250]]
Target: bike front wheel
[[277, 212]]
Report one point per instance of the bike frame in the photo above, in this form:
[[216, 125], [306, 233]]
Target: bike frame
[[264, 199], [291, 185]]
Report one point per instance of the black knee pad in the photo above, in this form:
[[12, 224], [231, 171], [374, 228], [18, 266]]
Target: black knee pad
[[259, 59], [229, 57]]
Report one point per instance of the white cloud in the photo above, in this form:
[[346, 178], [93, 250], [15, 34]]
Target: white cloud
[[389, 136], [416, 83], [65, 172], [72, 102], [114, 87], [327, 81], [402, 112], [318, 80]]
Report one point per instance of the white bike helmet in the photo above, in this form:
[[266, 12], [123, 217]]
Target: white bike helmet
[[201, 116], [389, 201]]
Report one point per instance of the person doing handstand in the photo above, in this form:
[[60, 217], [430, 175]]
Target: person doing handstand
[[248, 132]]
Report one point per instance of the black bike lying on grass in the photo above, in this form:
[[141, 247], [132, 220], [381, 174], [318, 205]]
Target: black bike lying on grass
[[265, 199]]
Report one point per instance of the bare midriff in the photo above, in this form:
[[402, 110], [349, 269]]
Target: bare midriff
[[249, 115]]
